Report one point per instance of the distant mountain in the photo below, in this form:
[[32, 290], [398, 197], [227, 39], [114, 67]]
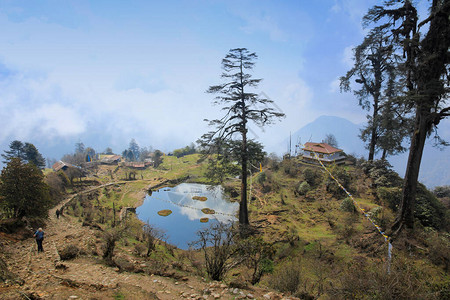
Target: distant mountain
[[435, 165], [346, 134]]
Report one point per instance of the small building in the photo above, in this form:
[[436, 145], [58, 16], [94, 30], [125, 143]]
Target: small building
[[60, 165], [325, 153], [110, 159], [135, 165]]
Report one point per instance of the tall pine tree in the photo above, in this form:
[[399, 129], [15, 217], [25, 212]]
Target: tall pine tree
[[427, 79], [241, 106]]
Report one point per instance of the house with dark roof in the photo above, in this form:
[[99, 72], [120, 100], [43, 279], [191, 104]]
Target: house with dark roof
[[325, 153]]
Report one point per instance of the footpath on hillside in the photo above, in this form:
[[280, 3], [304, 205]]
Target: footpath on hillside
[[45, 276]]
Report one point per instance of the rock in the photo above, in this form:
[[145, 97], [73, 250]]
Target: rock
[[272, 295], [236, 291]]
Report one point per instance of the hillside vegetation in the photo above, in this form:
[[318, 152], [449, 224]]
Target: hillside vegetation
[[309, 240]]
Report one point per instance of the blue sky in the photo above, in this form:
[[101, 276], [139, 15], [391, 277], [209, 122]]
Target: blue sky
[[103, 72]]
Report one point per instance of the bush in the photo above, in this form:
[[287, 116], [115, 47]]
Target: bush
[[342, 177], [438, 247], [257, 256], [346, 229], [287, 278], [348, 205], [363, 281], [216, 243], [69, 252], [289, 167], [310, 176], [303, 188], [429, 210], [382, 174], [390, 196], [377, 215], [442, 191], [261, 178]]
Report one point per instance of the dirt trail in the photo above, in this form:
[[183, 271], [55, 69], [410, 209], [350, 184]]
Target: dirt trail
[[47, 277]]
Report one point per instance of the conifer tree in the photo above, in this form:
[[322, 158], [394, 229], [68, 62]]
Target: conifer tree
[[240, 106], [374, 69], [23, 191], [425, 66]]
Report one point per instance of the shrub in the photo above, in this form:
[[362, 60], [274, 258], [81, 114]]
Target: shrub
[[69, 252], [216, 243], [346, 228], [303, 188], [257, 256], [311, 176], [375, 214], [442, 191], [390, 196], [363, 281], [110, 239], [287, 278], [348, 205], [439, 253], [429, 210], [261, 178], [151, 236], [381, 172], [289, 167], [342, 177]]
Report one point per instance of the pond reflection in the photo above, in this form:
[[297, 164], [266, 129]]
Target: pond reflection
[[181, 226]]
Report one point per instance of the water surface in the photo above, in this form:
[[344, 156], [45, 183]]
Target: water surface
[[181, 226]]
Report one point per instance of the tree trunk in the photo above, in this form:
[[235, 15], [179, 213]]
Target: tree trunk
[[372, 145], [383, 156], [374, 137], [406, 211], [243, 211]]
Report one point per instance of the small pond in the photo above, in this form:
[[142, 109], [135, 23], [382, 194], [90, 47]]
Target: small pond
[[189, 203]]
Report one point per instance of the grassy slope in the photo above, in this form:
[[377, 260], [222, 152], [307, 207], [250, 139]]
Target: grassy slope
[[314, 230], [322, 227]]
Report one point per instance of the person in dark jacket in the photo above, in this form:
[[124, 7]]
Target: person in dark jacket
[[39, 234]]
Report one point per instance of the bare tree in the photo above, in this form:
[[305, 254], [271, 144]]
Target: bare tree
[[216, 243]]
